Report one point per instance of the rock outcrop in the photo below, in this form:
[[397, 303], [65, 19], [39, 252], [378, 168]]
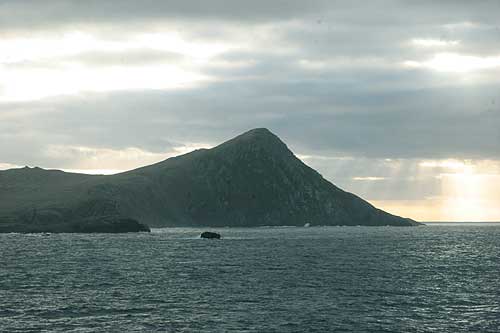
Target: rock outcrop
[[210, 235]]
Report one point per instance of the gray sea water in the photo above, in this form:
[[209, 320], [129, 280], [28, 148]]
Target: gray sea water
[[436, 278]]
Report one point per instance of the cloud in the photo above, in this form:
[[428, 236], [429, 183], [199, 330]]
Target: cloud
[[450, 62], [30, 14], [372, 93], [129, 58], [97, 160], [334, 114]]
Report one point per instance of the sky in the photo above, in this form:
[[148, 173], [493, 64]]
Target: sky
[[395, 101]]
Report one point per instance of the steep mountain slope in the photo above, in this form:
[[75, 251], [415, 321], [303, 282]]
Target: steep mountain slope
[[251, 180]]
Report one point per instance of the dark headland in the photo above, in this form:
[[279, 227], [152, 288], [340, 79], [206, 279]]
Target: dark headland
[[251, 180]]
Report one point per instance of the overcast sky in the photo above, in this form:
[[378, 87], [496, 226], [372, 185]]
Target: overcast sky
[[396, 101]]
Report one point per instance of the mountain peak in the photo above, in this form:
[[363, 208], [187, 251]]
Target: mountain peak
[[258, 134], [258, 131], [257, 139]]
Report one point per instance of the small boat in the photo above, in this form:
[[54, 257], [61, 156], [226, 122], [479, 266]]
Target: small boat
[[307, 225]]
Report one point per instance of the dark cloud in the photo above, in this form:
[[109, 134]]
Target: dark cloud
[[29, 14], [34, 13], [321, 116], [327, 76]]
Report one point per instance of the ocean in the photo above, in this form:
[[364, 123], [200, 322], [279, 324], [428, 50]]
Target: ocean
[[434, 278]]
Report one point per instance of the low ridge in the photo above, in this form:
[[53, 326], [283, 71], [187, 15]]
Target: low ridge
[[250, 180]]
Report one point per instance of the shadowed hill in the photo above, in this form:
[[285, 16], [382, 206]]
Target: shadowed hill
[[251, 180]]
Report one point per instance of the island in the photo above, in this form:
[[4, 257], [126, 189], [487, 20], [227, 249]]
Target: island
[[251, 180]]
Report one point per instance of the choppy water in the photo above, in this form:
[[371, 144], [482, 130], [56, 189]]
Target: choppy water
[[363, 279]]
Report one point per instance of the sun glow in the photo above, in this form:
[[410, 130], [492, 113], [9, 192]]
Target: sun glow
[[470, 191], [34, 68], [456, 63], [19, 85], [16, 50], [464, 194]]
